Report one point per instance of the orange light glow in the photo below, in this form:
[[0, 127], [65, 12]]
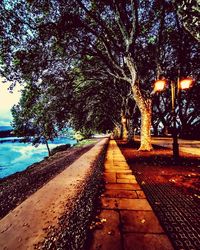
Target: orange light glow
[[185, 83], [159, 85]]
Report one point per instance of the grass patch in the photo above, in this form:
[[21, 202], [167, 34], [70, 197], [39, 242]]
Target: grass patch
[[86, 142]]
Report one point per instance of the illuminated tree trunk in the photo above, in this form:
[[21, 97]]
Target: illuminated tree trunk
[[144, 105], [145, 132], [124, 127], [117, 132]]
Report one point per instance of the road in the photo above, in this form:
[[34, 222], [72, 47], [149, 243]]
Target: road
[[188, 146]]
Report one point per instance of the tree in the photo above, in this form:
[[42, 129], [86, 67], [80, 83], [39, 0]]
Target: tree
[[37, 116], [124, 37], [178, 58], [97, 101], [115, 26], [30, 120], [111, 39]]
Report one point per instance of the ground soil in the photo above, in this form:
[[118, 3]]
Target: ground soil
[[17, 187], [159, 165]]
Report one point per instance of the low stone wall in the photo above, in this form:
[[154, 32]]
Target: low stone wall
[[74, 225]]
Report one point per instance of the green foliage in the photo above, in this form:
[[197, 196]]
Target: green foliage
[[85, 142], [60, 148], [152, 40], [79, 136], [189, 12], [78, 55], [31, 118]]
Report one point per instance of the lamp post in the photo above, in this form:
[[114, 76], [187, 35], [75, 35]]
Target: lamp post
[[174, 131], [183, 84]]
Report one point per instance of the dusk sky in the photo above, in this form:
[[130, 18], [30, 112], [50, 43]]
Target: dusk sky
[[7, 100]]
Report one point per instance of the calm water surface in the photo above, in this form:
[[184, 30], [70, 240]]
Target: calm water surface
[[15, 157]]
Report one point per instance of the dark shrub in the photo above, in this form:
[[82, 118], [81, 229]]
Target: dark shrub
[[60, 148]]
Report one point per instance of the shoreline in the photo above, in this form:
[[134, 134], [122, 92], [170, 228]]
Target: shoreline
[[18, 156], [19, 186]]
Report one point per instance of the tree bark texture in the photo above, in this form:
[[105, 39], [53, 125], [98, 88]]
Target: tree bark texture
[[124, 128], [145, 132], [117, 132], [131, 131], [144, 105], [47, 145]]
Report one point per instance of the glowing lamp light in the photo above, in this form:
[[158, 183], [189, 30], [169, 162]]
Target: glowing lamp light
[[175, 87], [159, 85], [186, 83]]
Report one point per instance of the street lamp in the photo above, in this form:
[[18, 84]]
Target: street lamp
[[183, 84]]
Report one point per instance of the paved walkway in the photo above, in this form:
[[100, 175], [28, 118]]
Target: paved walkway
[[128, 221]]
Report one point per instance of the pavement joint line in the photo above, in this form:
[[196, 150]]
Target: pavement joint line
[[136, 206]]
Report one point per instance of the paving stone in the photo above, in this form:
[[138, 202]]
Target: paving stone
[[140, 222], [121, 167], [124, 171], [116, 168], [124, 203], [109, 203], [134, 241], [108, 164], [121, 164], [108, 156], [109, 236], [129, 194], [119, 157], [108, 160], [126, 176], [134, 204], [110, 177], [126, 181], [126, 186], [141, 194]]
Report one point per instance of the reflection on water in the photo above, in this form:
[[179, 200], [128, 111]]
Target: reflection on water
[[15, 157]]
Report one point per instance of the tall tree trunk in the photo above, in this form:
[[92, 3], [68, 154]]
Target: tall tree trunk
[[117, 132], [49, 152], [131, 131], [124, 127], [144, 105], [145, 132]]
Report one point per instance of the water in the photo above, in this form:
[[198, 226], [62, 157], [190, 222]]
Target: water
[[16, 157]]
